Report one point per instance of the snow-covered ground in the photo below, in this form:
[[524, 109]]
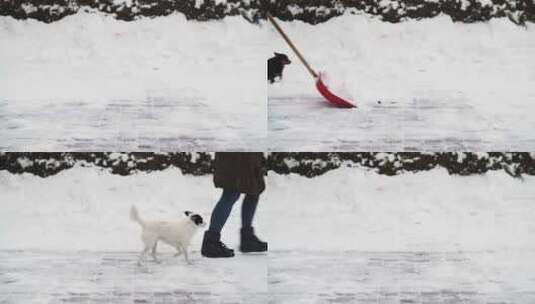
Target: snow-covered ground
[[401, 277], [114, 277], [348, 235], [419, 85], [90, 82]]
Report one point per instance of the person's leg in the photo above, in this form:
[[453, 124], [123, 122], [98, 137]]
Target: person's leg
[[212, 247], [222, 210], [248, 209], [249, 241]]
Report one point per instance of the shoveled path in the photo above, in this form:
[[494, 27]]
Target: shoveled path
[[280, 277]]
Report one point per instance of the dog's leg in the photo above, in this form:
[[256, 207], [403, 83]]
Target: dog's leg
[[178, 251], [142, 255], [186, 257], [153, 252]]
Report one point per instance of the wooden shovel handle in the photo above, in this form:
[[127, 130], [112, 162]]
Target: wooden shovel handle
[[279, 29]]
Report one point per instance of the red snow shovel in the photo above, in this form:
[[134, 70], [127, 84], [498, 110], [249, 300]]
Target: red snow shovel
[[322, 88]]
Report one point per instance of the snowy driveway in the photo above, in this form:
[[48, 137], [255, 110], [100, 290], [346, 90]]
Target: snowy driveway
[[93, 83], [309, 124], [160, 122], [401, 277], [281, 277], [104, 277], [427, 85]]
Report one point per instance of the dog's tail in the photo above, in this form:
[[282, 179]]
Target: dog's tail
[[134, 216]]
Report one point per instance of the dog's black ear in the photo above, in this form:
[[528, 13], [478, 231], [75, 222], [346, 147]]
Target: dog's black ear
[[277, 54], [197, 219], [187, 213]]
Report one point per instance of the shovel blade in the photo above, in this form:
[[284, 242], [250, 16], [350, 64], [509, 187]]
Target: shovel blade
[[332, 98]]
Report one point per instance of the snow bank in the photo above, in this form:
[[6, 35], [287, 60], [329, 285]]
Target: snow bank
[[344, 209], [351, 209], [90, 81], [88, 208], [92, 57], [488, 64]]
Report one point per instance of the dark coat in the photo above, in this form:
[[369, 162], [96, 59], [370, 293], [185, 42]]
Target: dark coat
[[240, 171]]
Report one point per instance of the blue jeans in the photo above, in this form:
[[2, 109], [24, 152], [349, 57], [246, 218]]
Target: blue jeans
[[223, 207]]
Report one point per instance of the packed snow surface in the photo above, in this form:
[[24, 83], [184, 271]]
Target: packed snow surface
[[90, 82], [419, 85], [349, 235]]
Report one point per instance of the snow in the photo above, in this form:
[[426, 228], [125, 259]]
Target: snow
[[113, 277], [198, 3], [428, 210], [348, 235], [341, 89], [465, 4], [90, 82], [411, 212], [294, 9], [402, 277], [24, 162], [127, 3], [427, 85], [28, 8]]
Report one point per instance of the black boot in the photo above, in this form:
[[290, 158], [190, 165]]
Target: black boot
[[251, 243], [212, 247]]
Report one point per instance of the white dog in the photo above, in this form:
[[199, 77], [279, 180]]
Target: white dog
[[174, 233]]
